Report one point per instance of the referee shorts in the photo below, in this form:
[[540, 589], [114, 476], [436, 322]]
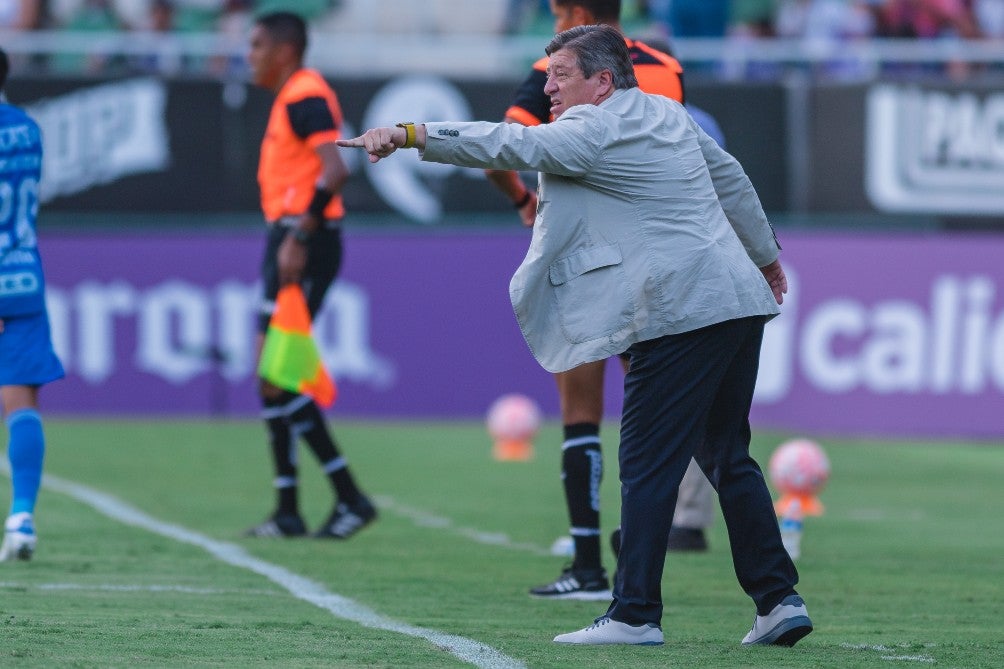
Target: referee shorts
[[26, 354], [324, 259]]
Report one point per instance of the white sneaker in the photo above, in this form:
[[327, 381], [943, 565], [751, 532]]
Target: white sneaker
[[18, 537], [783, 626], [605, 631]]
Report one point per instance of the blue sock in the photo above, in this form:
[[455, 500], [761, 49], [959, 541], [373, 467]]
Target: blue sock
[[26, 450]]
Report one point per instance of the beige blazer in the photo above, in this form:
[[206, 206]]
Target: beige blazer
[[645, 227]]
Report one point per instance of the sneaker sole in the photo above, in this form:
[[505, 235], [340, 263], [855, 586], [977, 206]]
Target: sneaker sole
[[611, 643], [253, 533], [792, 636], [787, 633], [20, 553], [589, 596]]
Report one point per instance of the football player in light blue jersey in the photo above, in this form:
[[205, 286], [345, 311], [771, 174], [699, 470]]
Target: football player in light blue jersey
[[27, 360]]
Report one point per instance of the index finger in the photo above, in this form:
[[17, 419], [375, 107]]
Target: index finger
[[356, 142]]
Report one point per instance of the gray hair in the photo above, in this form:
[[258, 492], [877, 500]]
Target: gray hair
[[596, 48]]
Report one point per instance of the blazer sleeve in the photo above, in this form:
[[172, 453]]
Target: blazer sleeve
[[569, 147], [739, 201]]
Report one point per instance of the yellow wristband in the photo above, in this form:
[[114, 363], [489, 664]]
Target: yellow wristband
[[409, 134]]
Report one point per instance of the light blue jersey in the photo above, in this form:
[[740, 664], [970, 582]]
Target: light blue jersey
[[22, 287]]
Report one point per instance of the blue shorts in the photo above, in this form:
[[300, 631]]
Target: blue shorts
[[26, 355]]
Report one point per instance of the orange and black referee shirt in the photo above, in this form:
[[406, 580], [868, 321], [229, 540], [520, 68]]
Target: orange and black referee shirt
[[305, 115], [657, 73]]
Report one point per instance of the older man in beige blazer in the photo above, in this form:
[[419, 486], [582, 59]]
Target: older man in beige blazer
[[649, 239]]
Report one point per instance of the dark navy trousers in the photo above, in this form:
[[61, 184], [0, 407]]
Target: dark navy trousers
[[689, 395]]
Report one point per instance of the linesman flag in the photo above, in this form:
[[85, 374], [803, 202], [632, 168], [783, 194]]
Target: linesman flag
[[289, 358]]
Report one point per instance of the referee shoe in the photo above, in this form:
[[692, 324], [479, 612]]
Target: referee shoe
[[279, 525], [347, 519], [589, 585]]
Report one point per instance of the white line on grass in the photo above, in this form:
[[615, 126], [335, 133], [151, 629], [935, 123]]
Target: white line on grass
[[908, 658], [108, 587], [426, 519], [879, 648], [467, 650]]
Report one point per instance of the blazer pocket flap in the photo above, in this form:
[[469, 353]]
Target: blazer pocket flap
[[565, 269]]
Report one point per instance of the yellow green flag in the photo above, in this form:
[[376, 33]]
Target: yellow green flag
[[289, 358]]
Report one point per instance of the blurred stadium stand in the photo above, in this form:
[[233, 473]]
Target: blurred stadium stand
[[810, 114], [363, 38]]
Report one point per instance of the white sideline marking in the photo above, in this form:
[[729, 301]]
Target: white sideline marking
[[879, 648], [467, 650], [908, 658], [425, 519], [108, 587]]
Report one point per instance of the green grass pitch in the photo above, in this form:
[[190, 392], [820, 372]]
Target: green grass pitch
[[905, 568]]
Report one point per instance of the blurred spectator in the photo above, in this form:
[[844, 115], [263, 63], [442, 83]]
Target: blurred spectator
[[691, 18], [521, 13], [162, 16], [91, 16], [749, 20], [752, 18], [308, 9], [824, 20], [21, 14], [165, 56], [927, 19], [825, 24], [990, 17], [24, 15], [196, 15], [233, 25]]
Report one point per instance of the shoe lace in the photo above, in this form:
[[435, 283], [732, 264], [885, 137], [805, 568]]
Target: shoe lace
[[599, 622]]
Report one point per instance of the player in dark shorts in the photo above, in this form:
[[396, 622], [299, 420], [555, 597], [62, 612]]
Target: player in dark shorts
[[300, 174], [324, 260]]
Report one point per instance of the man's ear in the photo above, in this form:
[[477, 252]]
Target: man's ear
[[606, 81]]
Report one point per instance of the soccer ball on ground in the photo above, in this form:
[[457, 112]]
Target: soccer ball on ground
[[799, 469], [513, 421]]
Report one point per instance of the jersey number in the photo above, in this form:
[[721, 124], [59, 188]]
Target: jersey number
[[18, 209]]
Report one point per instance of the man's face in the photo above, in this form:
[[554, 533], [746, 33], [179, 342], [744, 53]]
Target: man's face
[[565, 84], [263, 58], [564, 17]]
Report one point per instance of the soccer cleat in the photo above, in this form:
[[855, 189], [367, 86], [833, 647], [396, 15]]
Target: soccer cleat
[[783, 626], [580, 584], [347, 519], [607, 631], [279, 525], [18, 538]]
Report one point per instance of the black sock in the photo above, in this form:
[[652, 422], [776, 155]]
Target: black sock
[[283, 455], [581, 472], [308, 422]]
